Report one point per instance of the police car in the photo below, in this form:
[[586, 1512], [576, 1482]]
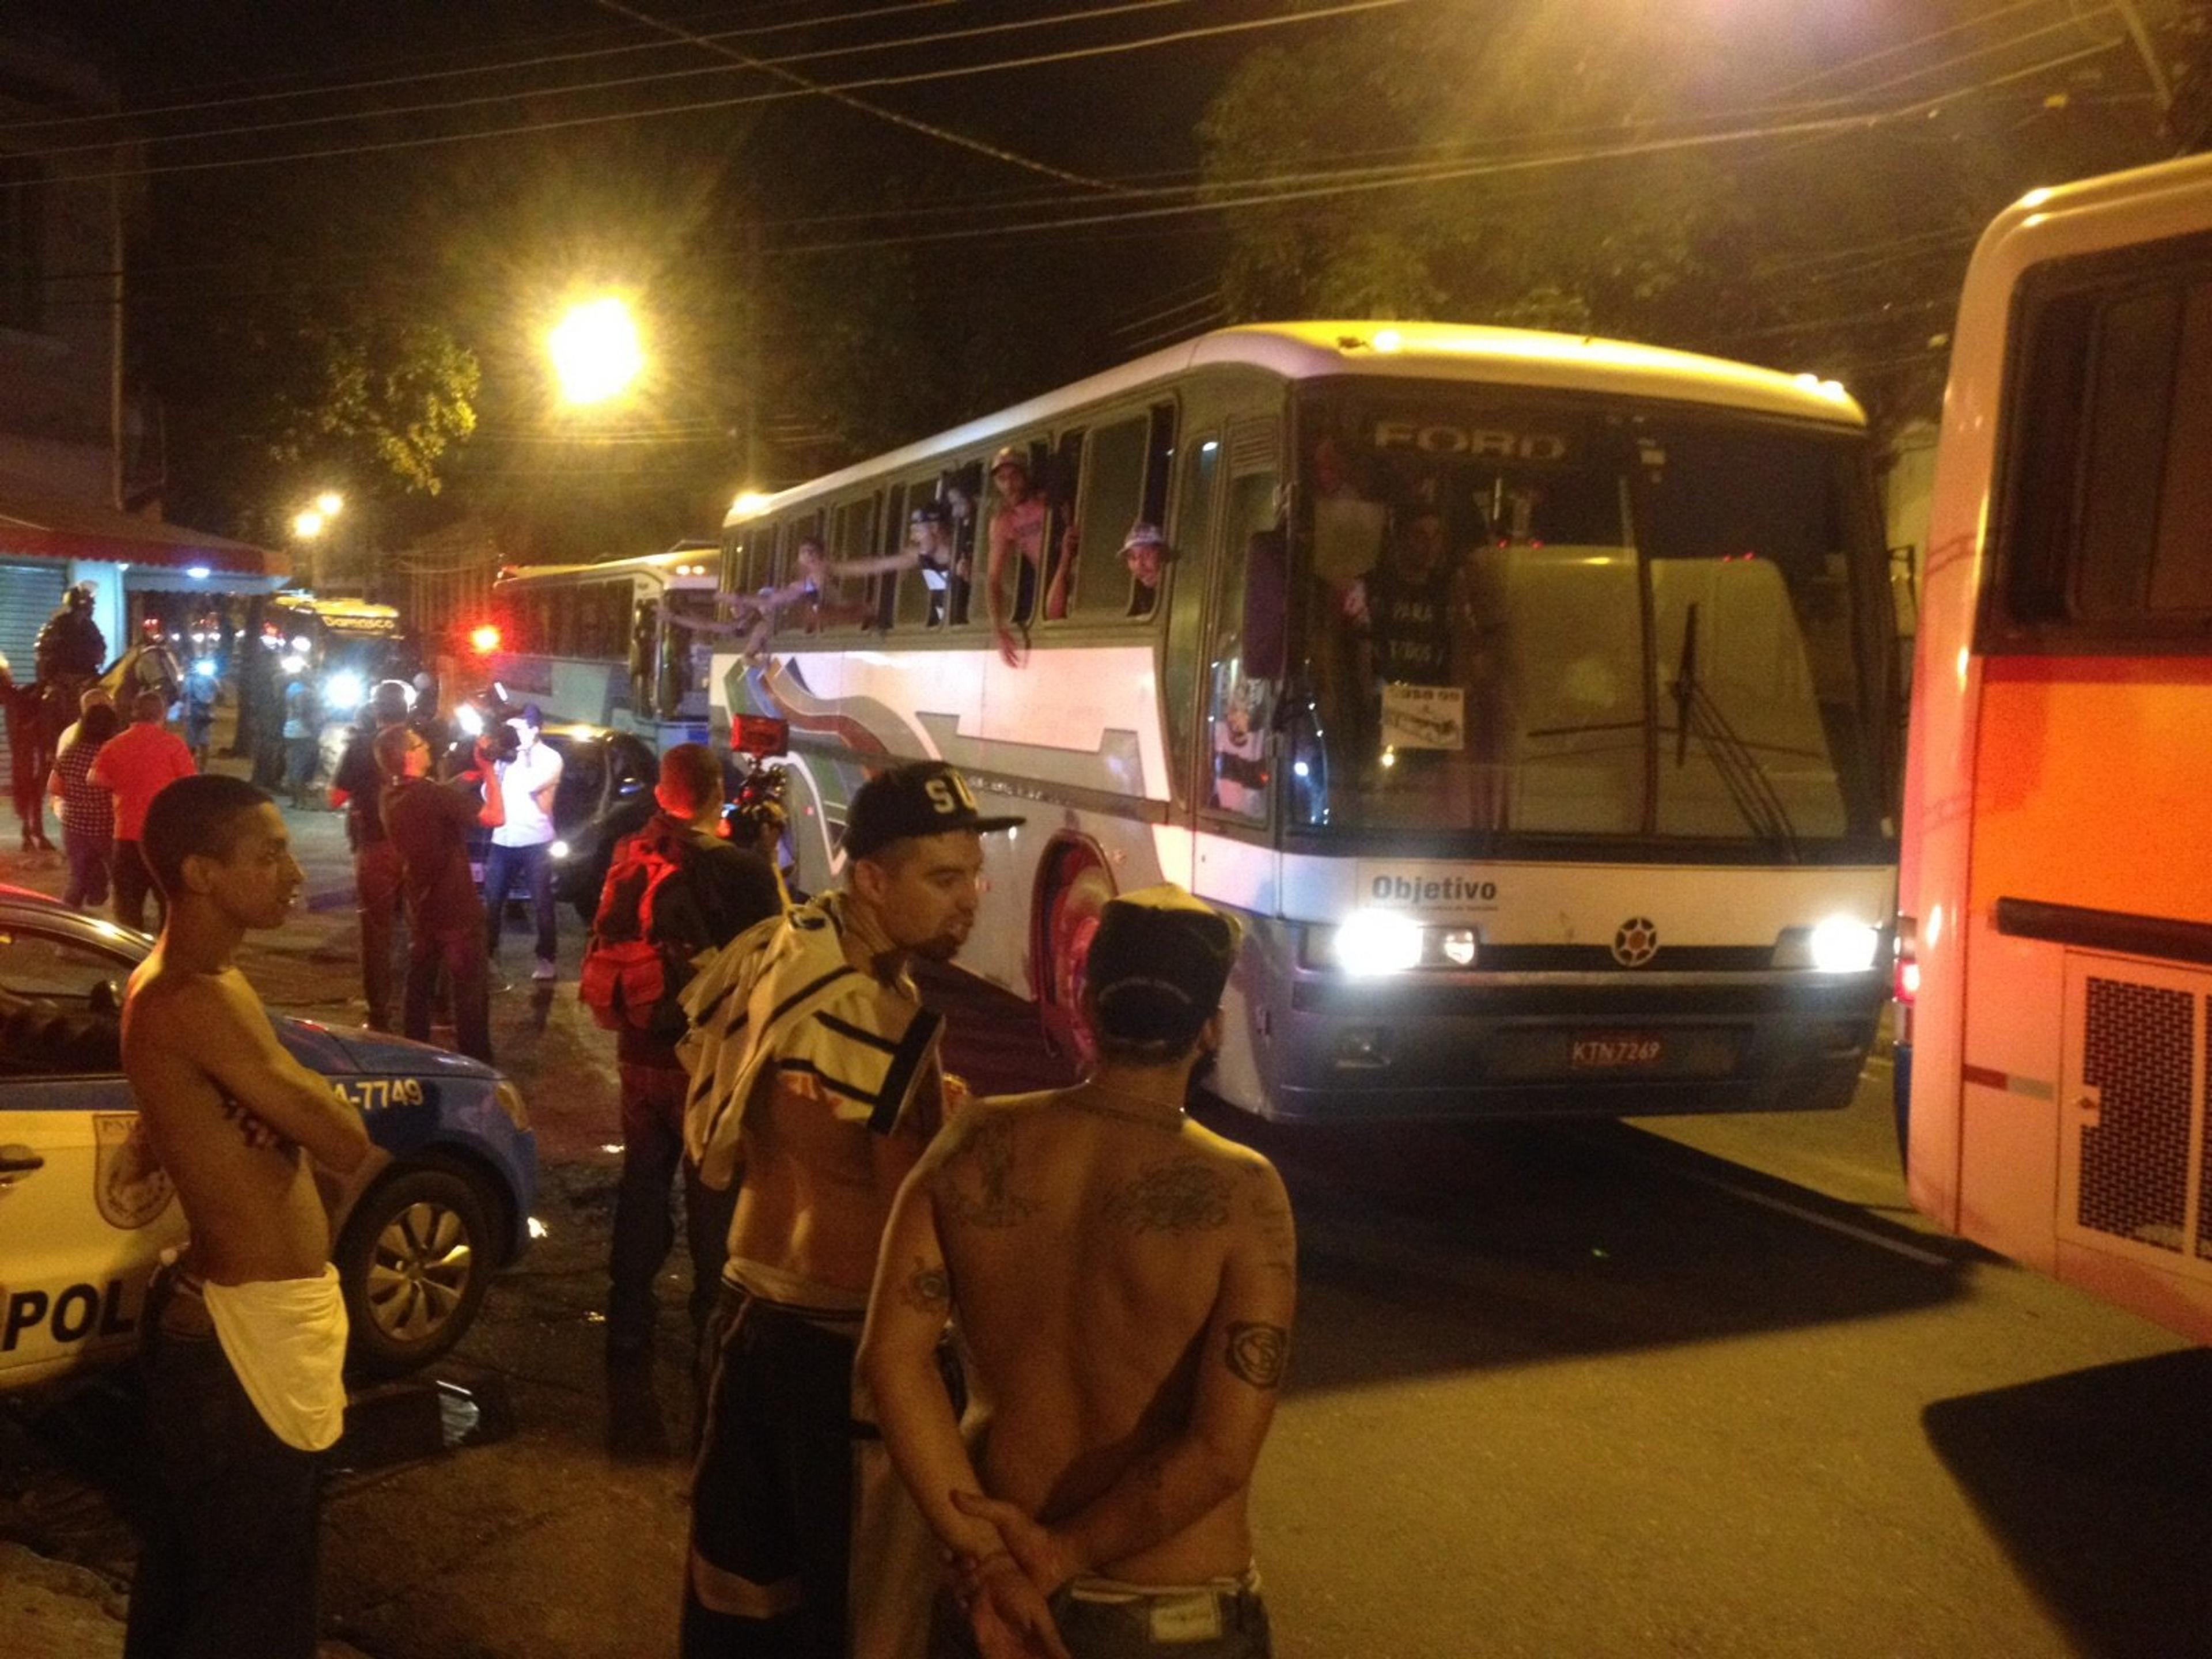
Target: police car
[[85, 1212]]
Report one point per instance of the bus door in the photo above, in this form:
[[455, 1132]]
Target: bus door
[[1233, 862], [644, 658]]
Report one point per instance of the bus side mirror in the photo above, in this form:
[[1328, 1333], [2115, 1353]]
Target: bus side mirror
[[1267, 592]]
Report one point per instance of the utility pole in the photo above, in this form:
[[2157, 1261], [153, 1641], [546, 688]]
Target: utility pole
[[2161, 88], [757, 323]]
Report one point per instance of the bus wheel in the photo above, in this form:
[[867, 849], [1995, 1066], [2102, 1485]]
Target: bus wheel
[[1072, 888]]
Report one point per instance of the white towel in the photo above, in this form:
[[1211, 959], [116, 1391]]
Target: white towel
[[286, 1341]]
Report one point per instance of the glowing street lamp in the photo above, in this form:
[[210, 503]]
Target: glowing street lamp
[[330, 504], [596, 351], [308, 524]]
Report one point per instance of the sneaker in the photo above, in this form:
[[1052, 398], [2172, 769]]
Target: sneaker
[[545, 970]]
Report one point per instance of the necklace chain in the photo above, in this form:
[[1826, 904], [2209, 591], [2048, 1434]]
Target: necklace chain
[[1151, 1120]]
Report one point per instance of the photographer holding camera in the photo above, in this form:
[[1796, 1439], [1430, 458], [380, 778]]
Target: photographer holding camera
[[428, 824], [526, 780]]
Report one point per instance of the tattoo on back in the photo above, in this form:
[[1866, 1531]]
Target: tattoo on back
[[1257, 1353], [927, 1289], [1183, 1195], [978, 1189]]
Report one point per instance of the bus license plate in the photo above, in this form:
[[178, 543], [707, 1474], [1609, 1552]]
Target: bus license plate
[[1613, 1051]]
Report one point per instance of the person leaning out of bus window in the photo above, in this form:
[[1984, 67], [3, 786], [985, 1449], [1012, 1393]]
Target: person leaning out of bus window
[[1018, 526], [1144, 550], [929, 549], [812, 591]]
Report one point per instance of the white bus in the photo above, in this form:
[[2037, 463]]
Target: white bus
[[605, 644], [2056, 980], [1529, 697]]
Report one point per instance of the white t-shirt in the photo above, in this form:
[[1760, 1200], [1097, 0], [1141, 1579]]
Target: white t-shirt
[[519, 780]]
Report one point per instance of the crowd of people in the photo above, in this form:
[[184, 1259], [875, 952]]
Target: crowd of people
[[974, 1376]]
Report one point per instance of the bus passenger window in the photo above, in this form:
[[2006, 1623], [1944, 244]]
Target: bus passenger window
[[962, 490], [925, 587], [1015, 538], [1113, 499]]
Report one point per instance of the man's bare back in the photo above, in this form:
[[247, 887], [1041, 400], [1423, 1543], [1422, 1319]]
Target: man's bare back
[[1091, 1247]]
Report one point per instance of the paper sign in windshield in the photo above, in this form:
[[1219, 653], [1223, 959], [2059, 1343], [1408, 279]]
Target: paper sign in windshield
[[1424, 716]]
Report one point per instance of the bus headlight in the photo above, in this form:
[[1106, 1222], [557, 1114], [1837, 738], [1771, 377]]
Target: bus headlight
[[1840, 945], [343, 692], [1378, 942]]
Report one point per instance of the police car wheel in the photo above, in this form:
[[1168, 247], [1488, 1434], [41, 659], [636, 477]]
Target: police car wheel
[[415, 1260]]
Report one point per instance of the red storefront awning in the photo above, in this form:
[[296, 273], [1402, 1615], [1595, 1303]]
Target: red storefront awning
[[38, 526]]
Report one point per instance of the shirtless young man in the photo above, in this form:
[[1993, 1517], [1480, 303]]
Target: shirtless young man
[[244, 1333], [814, 1070], [1016, 552], [1123, 1280]]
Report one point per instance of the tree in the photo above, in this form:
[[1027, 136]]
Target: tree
[[1683, 174]]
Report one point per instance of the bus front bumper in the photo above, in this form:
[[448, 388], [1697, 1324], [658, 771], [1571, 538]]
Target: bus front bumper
[[1570, 1045]]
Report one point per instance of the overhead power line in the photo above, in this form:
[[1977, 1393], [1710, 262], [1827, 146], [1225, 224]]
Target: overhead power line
[[802, 89], [912, 123], [737, 65], [474, 72], [1844, 68]]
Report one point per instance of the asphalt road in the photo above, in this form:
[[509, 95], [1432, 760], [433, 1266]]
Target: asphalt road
[[1703, 1386]]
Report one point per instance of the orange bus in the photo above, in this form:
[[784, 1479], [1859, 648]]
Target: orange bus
[[2055, 950]]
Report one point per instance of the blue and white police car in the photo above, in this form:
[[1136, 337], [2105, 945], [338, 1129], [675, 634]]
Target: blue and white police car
[[85, 1213]]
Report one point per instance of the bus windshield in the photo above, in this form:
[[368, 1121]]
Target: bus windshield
[[1531, 616]]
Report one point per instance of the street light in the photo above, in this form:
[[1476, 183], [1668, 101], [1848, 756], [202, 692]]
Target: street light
[[595, 351], [308, 524], [329, 503]]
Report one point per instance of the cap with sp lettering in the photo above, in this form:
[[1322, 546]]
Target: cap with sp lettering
[[915, 797]]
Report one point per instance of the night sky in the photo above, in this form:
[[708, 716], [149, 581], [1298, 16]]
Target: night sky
[[490, 234]]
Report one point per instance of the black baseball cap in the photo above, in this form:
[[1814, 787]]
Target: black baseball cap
[[1157, 966], [914, 798]]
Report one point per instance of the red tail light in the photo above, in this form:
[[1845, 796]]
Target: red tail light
[[1904, 979], [485, 640]]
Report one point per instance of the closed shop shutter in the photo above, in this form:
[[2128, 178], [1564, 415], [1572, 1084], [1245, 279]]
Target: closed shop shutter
[[28, 594]]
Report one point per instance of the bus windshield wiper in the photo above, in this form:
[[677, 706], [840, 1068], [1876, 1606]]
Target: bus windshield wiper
[[1740, 772]]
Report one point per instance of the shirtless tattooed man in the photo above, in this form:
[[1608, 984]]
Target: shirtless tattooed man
[[814, 1069], [1123, 1281], [245, 1333]]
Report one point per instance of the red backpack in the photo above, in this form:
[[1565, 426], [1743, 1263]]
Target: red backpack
[[629, 981]]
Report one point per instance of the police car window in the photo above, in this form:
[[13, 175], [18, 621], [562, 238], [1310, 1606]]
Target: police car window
[[52, 969]]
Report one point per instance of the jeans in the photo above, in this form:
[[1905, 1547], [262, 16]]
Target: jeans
[[134, 884], [228, 1563], [652, 1150], [459, 951], [535, 866], [301, 757], [90, 855], [376, 887]]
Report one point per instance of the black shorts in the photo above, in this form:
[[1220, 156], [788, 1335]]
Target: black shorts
[[772, 1495]]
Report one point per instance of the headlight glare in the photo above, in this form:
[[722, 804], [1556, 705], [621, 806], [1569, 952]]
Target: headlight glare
[[1843, 945], [1378, 942]]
